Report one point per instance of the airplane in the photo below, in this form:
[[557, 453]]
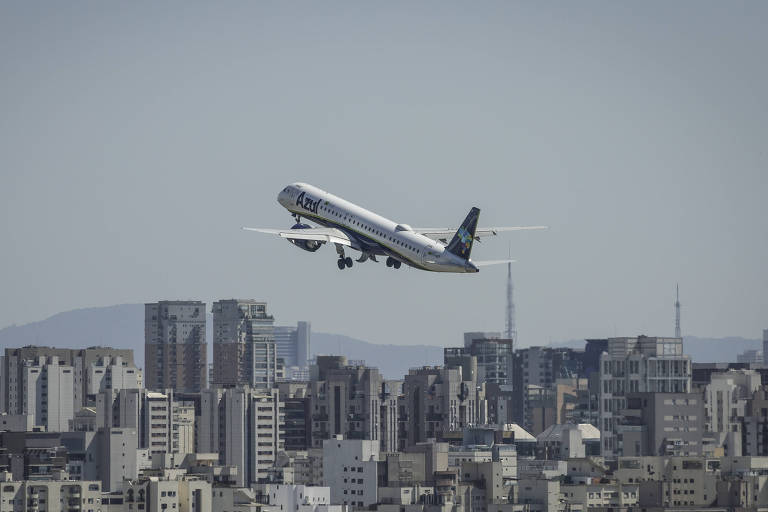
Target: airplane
[[346, 225]]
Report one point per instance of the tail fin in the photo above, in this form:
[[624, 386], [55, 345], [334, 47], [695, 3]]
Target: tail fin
[[461, 243]]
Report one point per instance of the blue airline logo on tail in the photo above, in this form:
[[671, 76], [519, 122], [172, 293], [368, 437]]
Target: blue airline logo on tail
[[464, 236]]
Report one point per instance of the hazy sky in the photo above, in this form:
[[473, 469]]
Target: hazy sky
[[137, 138]]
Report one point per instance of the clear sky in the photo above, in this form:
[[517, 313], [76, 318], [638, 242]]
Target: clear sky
[[136, 138]]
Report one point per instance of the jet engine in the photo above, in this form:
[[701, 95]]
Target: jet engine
[[307, 245]]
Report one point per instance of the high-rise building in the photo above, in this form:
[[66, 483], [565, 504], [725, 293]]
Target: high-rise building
[[755, 424], [677, 313], [389, 407], [120, 457], [439, 400], [244, 349], [536, 371], [750, 357], [46, 393], [637, 365], [492, 362], [765, 347], [175, 350], [344, 400], [86, 366], [495, 357], [110, 373], [726, 403], [469, 337], [297, 431], [245, 427], [664, 424], [293, 344], [164, 425], [346, 458]]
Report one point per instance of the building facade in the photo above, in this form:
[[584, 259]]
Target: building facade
[[244, 426], [293, 344], [637, 365], [344, 400], [244, 349], [175, 349], [439, 400], [15, 361]]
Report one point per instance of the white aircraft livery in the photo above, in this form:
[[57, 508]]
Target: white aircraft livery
[[347, 225]]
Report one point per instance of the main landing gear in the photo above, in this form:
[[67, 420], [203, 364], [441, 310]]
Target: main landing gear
[[343, 262], [392, 262]]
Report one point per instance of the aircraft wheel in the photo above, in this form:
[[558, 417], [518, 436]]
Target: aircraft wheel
[[341, 263], [389, 261], [348, 261], [396, 264]]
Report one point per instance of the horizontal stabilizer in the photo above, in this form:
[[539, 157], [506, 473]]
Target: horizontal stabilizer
[[447, 233], [491, 262]]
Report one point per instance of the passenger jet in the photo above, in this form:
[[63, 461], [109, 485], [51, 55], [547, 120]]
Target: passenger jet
[[344, 224]]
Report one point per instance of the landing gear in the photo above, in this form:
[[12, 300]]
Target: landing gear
[[344, 260], [392, 262]]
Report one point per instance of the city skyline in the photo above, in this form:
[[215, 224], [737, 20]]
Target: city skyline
[[554, 428]]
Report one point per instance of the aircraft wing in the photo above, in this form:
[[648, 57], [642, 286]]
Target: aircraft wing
[[445, 234], [332, 235]]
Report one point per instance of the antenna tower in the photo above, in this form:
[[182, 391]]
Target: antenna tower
[[511, 329], [677, 312]]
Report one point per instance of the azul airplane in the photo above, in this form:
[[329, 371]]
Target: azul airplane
[[347, 225]]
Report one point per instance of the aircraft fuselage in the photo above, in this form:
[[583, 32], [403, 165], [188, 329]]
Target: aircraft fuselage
[[370, 233]]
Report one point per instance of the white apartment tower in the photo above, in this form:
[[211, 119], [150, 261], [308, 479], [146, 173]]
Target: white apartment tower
[[110, 373], [244, 426], [163, 425], [91, 368], [47, 393]]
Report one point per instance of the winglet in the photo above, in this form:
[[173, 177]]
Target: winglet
[[262, 230]]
